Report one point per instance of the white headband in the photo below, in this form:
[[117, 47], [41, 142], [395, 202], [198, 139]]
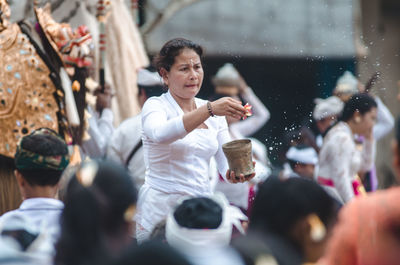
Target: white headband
[[328, 107], [183, 238], [147, 78], [304, 156]]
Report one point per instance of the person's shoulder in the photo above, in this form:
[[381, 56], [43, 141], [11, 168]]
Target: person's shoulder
[[9, 216], [155, 102], [339, 132], [128, 123]]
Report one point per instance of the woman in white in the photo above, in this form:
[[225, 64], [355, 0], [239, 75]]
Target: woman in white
[[341, 158], [180, 134]]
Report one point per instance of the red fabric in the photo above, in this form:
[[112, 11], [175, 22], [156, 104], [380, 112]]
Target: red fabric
[[252, 196], [326, 182]]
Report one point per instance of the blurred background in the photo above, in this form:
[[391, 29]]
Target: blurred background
[[289, 52]]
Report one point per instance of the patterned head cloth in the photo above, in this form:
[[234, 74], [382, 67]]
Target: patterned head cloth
[[25, 159]]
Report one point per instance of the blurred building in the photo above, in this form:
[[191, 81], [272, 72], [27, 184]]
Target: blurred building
[[381, 34]]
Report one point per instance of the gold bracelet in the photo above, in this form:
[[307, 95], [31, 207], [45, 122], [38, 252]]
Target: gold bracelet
[[210, 109]]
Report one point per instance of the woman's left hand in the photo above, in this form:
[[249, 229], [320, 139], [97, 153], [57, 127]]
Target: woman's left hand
[[232, 178]]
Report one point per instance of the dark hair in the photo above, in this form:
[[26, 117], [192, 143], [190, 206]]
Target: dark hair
[[280, 204], [45, 145], [199, 213], [151, 91], [360, 102], [93, 214], [151, 253], [172, 48], [158, 232]]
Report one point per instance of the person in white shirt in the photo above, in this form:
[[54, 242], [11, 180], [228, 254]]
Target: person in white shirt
[[180, 134], [346, 86], [100, 124], [302, 162], [40, 160], [341, 158], [126, 146]]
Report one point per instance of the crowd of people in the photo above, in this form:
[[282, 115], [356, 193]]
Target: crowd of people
[[158, 188]]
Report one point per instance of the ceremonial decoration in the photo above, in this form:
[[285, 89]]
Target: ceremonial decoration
[[249, 111], [27, 99], [102, 13]]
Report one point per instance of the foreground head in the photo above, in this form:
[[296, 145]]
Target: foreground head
[[297, 210], [202, 222], [40, 159], [179, 64], [360, 112], [100, 203]]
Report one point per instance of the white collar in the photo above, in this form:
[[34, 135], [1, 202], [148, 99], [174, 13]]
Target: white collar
[[41, 204]]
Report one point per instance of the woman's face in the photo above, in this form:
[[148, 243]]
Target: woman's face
[[185, 76], [368, 121]]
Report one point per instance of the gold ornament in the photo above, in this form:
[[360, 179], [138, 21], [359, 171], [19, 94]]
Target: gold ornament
[[26, 91]]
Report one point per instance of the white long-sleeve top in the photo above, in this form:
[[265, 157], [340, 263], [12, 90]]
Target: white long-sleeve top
[[100, 130], [384, 120], [41, 214], [177, 161], [124, 139], [253, 123], [340, 160]]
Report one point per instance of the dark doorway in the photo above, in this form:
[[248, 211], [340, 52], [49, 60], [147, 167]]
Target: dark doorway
[[286, 86]]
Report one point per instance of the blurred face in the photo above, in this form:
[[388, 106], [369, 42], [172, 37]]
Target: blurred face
[[325, 123], [366, 122], [305, 170], [185, 76]]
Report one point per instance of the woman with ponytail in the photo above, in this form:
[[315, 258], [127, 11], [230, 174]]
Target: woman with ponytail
[[97, 220], [342, 157]]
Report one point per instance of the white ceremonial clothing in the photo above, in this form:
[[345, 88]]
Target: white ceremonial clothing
[[212, 256], [124, 139], [253, 123], [100, 130], [340, 160], [43, 214], [384, 120], [238, 194], [176, 162]]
